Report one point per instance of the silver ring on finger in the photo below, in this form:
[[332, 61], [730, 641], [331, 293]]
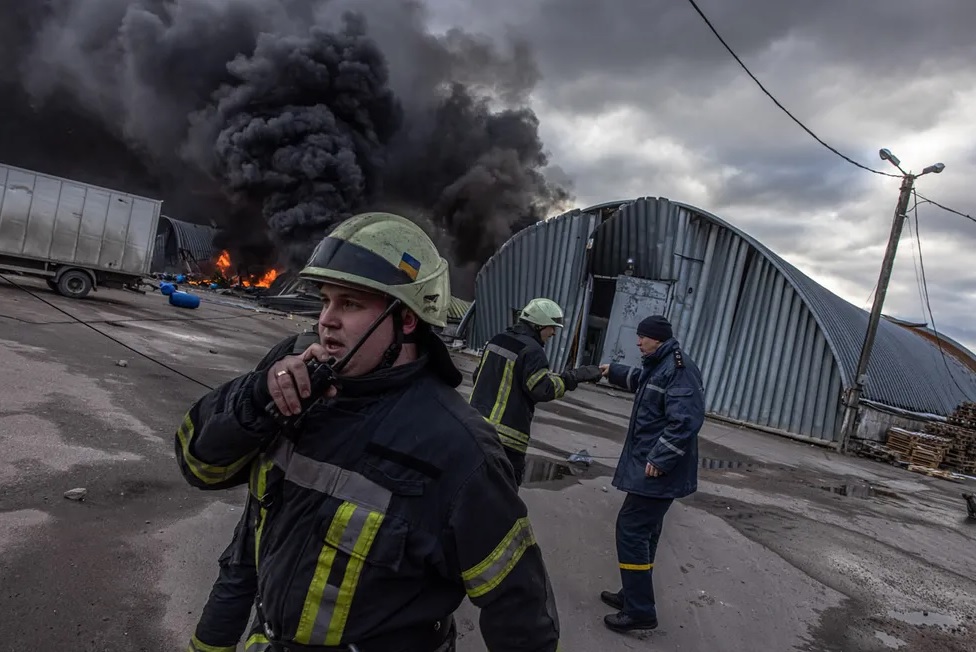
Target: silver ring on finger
[[281, 373]]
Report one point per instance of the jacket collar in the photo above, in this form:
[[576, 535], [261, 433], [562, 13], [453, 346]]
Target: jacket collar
[[667, 348], [434, 358], [382, 381], [524, 329]]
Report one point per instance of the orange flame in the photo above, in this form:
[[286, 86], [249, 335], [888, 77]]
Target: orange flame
[[267, 279], [223, 264]]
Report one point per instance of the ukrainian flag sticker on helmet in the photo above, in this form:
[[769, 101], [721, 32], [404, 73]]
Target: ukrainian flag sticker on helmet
[[410, 265]]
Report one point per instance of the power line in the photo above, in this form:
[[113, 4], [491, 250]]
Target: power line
[[918, 278], [777, 103], [103, 333], [945, 208], [928, 304], [871, 294], [803, 126]]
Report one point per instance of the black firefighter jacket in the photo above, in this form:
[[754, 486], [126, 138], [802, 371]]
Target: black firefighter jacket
[[387, 507], [511, 378]]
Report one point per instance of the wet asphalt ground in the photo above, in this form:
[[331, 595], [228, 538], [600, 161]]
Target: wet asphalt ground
[[786, 546]]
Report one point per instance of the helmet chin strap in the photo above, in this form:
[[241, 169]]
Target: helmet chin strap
[[399, 339]]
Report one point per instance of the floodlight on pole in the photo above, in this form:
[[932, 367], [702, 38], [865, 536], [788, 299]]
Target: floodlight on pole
[[853, 398]]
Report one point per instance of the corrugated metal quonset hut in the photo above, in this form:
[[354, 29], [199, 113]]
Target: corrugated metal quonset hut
[[183, 246], [777, 350]]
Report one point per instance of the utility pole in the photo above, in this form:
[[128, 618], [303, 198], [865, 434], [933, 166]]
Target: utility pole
[[849, 423]]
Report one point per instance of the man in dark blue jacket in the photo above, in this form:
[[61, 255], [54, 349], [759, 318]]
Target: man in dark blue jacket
[[659, 463]]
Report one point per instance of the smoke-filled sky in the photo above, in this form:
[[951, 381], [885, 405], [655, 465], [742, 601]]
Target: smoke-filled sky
[[627, 97], [279, 119], [638, 98]]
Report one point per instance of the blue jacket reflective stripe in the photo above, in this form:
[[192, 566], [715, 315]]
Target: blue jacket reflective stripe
[[668, 413]]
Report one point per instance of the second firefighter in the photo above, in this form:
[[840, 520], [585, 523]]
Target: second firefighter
[[513, 376]]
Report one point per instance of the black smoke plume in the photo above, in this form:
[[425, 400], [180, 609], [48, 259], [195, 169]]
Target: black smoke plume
[[276, 120]]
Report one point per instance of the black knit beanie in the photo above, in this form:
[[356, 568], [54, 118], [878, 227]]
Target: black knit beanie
[[656, 327]]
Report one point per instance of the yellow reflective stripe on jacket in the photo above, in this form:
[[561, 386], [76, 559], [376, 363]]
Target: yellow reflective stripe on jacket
[[208, 473], [326, 608], [477, 377], [536, 377], [257, 643], [354, 527], [258, 486], [493, 570], [504, 391], [560, 384], [511, 438], [557, 381], [196, 645]]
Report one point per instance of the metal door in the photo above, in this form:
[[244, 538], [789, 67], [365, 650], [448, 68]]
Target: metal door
[[633, 300]]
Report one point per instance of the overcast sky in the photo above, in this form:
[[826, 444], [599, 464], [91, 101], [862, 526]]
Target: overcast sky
[[638, 98]]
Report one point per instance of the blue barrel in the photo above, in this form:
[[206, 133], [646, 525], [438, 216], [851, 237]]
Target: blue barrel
[[214, 286], [167, 289], [184, 300], [181, 278]]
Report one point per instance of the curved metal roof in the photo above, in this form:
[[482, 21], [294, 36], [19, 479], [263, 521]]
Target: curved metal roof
[[457, 309], [906, 370], [194, 240], [523, 268]]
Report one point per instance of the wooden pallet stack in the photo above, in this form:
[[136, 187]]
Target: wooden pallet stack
[[917, 448], [960, 429]]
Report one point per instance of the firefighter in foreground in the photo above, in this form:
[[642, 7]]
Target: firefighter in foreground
[[392, 499], [513, 376], [659, 463]]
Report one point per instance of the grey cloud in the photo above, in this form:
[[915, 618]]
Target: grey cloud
[[788, 178], [623, 38]]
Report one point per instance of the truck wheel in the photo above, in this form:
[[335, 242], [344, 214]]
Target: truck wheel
[[74, 284]]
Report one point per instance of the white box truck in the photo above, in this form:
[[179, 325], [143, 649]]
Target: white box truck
[[75, 235]]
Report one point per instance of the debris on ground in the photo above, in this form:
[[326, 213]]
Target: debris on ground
[[945, 450], [580, 457], [77, 494], [121, 363]]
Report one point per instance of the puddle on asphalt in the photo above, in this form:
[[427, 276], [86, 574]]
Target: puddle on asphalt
[[542, 469], [889, 641], [925, 618], [861, 490], [550, 473], [713, 463]]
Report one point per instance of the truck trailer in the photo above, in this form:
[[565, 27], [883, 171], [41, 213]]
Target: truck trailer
[[77, 236]]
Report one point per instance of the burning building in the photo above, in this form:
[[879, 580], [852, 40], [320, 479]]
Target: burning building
[[242, 275], [280, 119]]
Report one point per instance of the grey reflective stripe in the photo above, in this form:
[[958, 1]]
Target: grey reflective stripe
[[353, 528], [672, 446], [505, 353], [320, 628], [655, 388], [329, 478]]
